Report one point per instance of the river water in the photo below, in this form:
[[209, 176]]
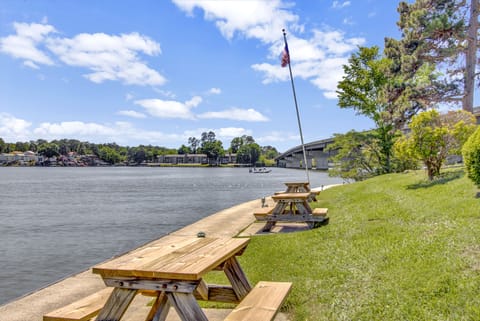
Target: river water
[[55, 222]]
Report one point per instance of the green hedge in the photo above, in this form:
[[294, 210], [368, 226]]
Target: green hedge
[[471, 157]]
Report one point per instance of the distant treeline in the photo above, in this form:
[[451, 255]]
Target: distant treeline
[[245, 147]]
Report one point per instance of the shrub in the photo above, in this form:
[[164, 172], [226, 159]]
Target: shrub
[[471, 156]]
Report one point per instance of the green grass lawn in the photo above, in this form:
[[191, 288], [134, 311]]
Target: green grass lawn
[[397, 247]]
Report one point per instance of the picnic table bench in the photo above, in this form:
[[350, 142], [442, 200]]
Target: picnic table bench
[[172, 269], [292, 207]]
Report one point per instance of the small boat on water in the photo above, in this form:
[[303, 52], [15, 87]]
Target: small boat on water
[[262, 170]]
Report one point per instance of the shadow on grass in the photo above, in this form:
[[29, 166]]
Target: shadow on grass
[[442, 179]]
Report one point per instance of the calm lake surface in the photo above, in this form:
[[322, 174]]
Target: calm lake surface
[[55, 222]]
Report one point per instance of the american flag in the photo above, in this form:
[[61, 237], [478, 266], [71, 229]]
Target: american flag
[[285, 56]]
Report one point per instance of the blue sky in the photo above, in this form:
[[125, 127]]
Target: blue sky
[[159, 72]]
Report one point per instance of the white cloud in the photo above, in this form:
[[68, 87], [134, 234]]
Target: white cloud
[[215, 91], [13, 129], [314, 58], [72, 129], [254, 18], [277, 137], [23, 45], [231, 132], [194, 102], [333, 42], [169, 108], [109, 57], [132, 113], [348, 21], [30, 64], [250, 115], [119, 132], [339, 4]]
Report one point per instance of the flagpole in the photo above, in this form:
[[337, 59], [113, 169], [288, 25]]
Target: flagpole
[[296, 107]]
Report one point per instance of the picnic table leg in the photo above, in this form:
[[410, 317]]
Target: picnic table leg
[[159, 309], [186, 306], [278, 209], [240, 284], [304, 208], [116, 305], [268, 226]]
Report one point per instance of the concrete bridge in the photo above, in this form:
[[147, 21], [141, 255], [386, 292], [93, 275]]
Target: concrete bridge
[[317, 158]]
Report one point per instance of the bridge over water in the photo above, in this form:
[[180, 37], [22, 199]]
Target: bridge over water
[[317, 157]]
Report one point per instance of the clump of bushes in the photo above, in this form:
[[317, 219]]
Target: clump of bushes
[[471, 157]]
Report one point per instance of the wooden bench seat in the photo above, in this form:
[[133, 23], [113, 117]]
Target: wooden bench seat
[[86, 308], [261, 213], [319, 211], [262, 303], [81, 310]]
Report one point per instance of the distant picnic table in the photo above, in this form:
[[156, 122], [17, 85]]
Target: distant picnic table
[[292, 206]]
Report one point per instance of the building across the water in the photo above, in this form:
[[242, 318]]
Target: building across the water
[[20, 158], [201, 159], [317, 157]]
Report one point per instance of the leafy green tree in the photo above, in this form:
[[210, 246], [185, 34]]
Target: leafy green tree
[[213, 149], [471, 157], [184, 150], [109, 155], [249, 154], [137, 155], [404, 158], [235, 144], [434, 136], [32, 145], [211, 146], [194, 143], [247, 150], [49, 150], [443, 33], [269, 152], [207, 137], [354, 155], [2, 145], [21, 146], [362, 88]]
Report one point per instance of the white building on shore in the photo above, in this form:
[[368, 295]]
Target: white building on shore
[[20, 158]]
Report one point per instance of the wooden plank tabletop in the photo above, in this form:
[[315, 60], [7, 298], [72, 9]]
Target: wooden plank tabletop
[[293, 184], [289, 196], [173, 257]]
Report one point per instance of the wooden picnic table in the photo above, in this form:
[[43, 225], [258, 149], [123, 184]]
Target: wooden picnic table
[[174, 267], [291, 207]]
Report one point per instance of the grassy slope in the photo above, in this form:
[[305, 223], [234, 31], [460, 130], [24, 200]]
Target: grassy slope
[[396, 248]]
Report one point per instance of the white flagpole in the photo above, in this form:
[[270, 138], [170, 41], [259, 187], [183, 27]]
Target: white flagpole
[[296, 107]]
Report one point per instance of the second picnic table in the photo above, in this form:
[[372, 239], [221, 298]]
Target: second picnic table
[[291, 207]]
